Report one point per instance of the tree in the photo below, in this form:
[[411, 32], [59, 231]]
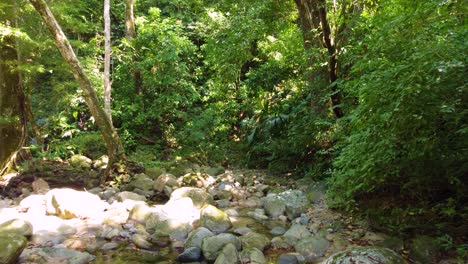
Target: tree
[[107, 55], [130, 34], [111, 139], [313, 17]]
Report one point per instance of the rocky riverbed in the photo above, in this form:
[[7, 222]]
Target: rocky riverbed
[[190, 215]]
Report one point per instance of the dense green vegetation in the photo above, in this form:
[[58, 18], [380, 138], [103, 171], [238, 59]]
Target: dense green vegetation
[[255, 84]]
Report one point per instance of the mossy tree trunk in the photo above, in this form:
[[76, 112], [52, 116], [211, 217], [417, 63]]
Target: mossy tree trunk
[[111, 139]]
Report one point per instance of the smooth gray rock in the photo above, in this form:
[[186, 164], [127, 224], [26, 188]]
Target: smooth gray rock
[[196, 237], [68, 203], [254, 240], [122, 196], [190, 254], [296, 203], [252, 256], [11, 246], [312, 247], [274, 206], [278, 231], [214, 219], [142, 182], [212, 246], [17, 226], [297, 232], [163, 180], [199, 196], [62, 255], [140, 212], [229, 255], [364, 254], [287, 259]]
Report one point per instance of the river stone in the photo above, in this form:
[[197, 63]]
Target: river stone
[[214, 219], [80, 162], [297, 232], [40, 186], [196, 237], [252, 256], [63, 255], [280, 242], [312, 247], [122, 196], [172, 228], [140, 212], [296, 203], [363, 254], [278, 231], [11, 246], [423, 249], [18, 227], [212, 246], [199, 196], [229, 255], [163, 180], [142, 182], [287, 258], [181, 209], [274, 206], [255, 240], [190, 254], [68, 203], [141, 241]]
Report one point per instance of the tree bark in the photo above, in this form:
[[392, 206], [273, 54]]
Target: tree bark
[[111, 139], [313, 16], [107, 57]]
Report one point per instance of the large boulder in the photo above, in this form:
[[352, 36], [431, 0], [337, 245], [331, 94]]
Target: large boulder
[[312, 247], [199, 196], [296, 203], [68, 203], [274, 206], [296, 232], [229, 255], [190, 254], [255, 240], [253, 256], [17, 226], [142, 182], [11, 246], [212, 246], [196, 237], [80, 162], [214, 219], [363, 255], [181, 209]]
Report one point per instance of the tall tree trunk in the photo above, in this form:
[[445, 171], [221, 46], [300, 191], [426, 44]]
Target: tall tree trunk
[[130, 34], [107, 56], [111, 139], [313, 16]]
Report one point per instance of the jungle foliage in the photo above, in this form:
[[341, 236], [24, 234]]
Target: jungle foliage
[[245, 83]]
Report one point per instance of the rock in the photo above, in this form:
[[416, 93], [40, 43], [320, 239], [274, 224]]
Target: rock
[[80, 162], [252, 256], [287, 258], [101, 163], [364, 254], [196, 237], [122, 196], [199, 196], [212, 246], [242, 230], [232, 212], [423, 249], [109, 232], [154, 172], [181, 209], [278, 231], [142, 182], [40, 186], [274, 206], [140, 212], [172, 228], [18, 227], [141, 241], [11, 246], [214, 219], [229, 255], [190, 254], [61, 255], [215, 171], [296, 203], [312, 247], [394, 243], [258, 214], [223, 203], [280, 243], [255, 240], [109, 246], [68, 203], [297, 232], [165, 179]]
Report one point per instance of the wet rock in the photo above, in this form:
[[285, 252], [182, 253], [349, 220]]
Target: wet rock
[[274, 206], [17, 226], [163, 180], [196, 237], [214, 219], [212, 246], [199, 196], [68, 203], [11, 246], [296, 203], [229, 255], [252, 255], [363, 255], [312, 247], [255, 240], [190, 254]]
